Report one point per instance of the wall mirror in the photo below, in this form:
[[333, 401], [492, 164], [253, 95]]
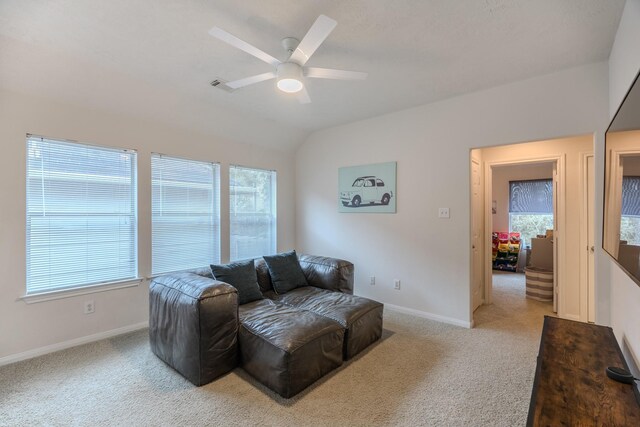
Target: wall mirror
[[621, 231]]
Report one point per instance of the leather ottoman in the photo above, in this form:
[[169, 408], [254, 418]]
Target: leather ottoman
[[287, 349], [360, 317]]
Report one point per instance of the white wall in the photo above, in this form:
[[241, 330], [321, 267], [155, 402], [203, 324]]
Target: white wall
[[631, 165], [26, 328], [624, 61], [624, 64], [500, 187], [431, 144]]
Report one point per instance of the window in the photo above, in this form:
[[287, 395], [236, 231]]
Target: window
[[630, 222], [81, 215], [530, 208], [185, 206], [252, 197]]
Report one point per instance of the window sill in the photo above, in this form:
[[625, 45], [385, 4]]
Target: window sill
[[168, 273], [69, 293]]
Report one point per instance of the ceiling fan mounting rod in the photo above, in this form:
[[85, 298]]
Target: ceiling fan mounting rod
[[290, 44]]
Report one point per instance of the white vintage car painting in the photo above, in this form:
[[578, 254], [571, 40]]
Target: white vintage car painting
[[366, 190]]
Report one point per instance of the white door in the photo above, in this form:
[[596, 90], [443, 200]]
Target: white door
[[555, 237], [591, 293], [476, 233]]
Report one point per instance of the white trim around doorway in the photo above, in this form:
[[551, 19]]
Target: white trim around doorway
[[585, 293]]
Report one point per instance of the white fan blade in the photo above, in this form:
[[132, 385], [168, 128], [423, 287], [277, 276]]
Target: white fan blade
[[328, 73], [318, 32], [303, 96], [242, 45], [236, 84]]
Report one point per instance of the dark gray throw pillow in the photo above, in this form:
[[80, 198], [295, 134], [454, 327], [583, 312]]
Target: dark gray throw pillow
[[242, 276], [286, 273]]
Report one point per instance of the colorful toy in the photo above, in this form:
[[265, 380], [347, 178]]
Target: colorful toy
[[505, 250]]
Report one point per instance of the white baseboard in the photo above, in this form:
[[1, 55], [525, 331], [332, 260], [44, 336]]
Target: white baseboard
[[631, 359], [29, 354], [630, 356], [430, 316]]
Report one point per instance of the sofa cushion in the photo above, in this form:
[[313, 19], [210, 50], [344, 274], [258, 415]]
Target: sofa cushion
[[286, 273], [360, 317], [327, 273], [242, 276], [264, 280], [201, 271]]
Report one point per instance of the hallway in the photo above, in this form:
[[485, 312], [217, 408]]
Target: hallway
[[511, 305]]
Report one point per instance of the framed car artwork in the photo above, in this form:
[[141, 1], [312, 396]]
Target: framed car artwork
[[367, 188]]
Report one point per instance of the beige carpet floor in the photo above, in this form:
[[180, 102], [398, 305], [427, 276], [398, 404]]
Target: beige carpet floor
[[421, 373]]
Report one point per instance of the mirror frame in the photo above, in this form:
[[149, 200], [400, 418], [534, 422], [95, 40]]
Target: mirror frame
[[607, 171]]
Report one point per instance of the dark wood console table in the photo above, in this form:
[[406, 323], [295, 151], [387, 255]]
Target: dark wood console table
[[571, 387]]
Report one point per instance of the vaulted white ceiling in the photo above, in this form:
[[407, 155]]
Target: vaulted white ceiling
[[154, 59]]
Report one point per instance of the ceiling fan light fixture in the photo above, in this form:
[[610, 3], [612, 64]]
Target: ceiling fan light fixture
[[289, 77], [290, 85]]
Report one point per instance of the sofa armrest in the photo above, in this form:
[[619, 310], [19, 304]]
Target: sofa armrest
[[193, 325], [328, 273]]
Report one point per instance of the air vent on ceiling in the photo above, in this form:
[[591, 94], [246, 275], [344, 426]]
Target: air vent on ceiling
[[221, 84]]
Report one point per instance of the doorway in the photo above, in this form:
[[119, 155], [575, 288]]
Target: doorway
[[523, 225], [568, 160]]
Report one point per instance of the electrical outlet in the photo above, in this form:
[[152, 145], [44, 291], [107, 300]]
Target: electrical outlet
[[372, 280], [396, 284], [443, 212], [89, 307]]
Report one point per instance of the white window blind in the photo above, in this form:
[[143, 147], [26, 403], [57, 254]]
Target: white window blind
[[531, 196], [530, 208], [252, 194], [81, 215], [185, 214], [631, 196]]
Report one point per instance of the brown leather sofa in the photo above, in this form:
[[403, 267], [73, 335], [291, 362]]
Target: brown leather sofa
[[285, 341]]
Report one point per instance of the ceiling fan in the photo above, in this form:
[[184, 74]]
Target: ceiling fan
[[290, 73]]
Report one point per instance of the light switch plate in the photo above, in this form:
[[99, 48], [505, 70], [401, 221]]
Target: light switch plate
[[443, 212]]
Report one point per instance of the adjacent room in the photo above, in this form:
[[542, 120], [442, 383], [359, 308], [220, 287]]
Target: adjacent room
[[320, 212], [537, 195]]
